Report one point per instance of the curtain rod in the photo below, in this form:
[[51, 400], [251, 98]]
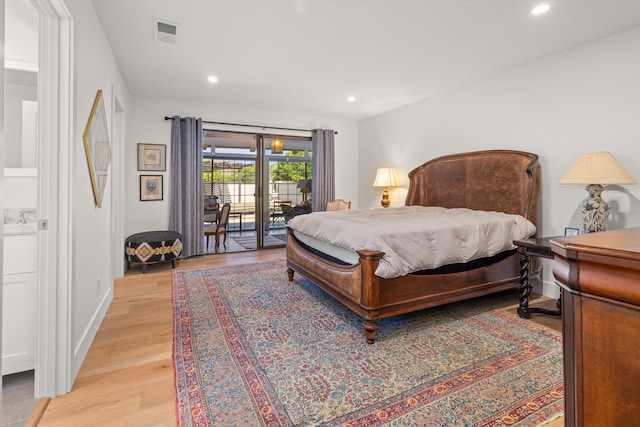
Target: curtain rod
[[252, 126]]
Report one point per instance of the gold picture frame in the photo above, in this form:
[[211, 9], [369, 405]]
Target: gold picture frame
[[152, 157], [98, 148], [150, 187]]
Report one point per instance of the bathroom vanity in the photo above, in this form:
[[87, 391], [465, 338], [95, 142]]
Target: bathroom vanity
[[19, 272]]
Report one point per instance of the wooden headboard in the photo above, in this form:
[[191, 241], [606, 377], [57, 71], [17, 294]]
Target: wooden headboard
[[493, 180]]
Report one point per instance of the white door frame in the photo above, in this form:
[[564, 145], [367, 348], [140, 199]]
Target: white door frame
[[2, 147], [117, 187], [55, 164]]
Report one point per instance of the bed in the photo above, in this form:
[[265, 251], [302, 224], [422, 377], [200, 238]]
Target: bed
[[493, 180]]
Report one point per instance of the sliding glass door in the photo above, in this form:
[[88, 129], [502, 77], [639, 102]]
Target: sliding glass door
[[286, 184], [261, 177]]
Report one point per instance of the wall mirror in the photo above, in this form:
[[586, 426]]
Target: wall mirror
[[97, 147]]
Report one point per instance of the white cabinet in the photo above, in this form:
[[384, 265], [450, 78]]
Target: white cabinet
[[18, 322], [18, 303], [20, 254]]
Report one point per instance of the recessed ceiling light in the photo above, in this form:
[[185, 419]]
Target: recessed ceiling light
[[351, 98], [212, 79], [540, 9]]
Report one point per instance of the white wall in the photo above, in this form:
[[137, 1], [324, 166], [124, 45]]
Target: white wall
[[95, 68], [21, 66], [147, 125], [14, 95], [21, 31], [21, 189], [584, 99]]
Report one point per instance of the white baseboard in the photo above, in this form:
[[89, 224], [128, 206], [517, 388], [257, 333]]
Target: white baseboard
[[547, 289], [82, 347]]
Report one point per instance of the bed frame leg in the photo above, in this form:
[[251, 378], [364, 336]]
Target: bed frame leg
[[370, 329], [290, 274]]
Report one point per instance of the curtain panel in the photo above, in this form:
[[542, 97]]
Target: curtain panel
[[323, 177], [186, 204]]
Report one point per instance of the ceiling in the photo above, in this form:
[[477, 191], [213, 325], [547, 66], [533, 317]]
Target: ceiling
[[308, 56]]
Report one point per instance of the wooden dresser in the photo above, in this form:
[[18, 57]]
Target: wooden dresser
[[599, 274]]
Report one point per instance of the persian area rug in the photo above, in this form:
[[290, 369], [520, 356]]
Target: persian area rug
[[253, 349]]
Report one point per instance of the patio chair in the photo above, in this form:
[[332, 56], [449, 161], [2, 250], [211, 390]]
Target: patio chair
[[290, 211], [219, 228], [337, 205]]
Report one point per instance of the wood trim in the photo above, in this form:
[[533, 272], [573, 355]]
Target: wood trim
[[35, 417]]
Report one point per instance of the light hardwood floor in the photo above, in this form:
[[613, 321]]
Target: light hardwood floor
[[127, 376]]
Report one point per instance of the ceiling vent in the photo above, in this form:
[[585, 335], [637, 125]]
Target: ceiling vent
[[164, 31]]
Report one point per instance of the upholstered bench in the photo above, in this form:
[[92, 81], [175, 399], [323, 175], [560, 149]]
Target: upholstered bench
[[150, 247]]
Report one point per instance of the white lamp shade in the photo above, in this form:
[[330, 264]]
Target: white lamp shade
[[386, 177], [597, 168]]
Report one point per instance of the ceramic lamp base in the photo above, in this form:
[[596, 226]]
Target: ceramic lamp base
[[595, 211]]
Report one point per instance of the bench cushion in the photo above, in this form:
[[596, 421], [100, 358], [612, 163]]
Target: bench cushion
[[153, 246]]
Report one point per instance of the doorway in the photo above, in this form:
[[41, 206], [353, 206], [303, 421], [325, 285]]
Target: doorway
[[19, 205], [259, 176]]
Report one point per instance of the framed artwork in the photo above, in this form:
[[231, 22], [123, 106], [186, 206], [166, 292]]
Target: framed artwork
[[152, 157], [150, 187], [568, 231], [97, 148]]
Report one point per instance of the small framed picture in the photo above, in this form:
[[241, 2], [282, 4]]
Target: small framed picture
[[152, 157], [568, 231], [150, 187]]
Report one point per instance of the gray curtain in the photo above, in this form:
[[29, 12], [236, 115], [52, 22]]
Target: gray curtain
[[323, 179], [186, 202]]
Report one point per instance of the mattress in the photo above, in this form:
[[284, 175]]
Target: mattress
[[345, 255], [413, 238]]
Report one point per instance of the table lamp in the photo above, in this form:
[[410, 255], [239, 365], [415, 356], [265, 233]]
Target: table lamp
[[595, 170], [386, 177], [304, 185]]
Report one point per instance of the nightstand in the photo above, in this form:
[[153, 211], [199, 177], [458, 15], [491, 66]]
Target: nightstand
[[541, 248]]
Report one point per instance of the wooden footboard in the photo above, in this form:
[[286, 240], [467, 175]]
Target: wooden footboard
[[373, 298]]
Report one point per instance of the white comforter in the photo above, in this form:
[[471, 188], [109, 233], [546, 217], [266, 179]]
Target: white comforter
[[416, 237]]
